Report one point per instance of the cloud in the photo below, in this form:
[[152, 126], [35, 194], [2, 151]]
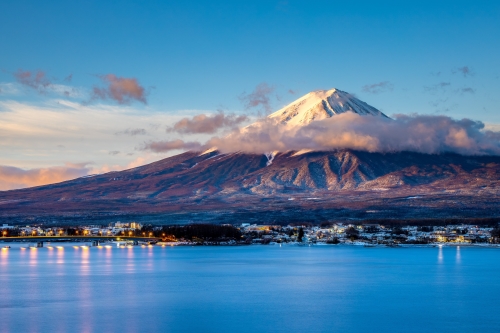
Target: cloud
[[416, 133], [133, 132], [378, 88], [207, 124], [465, 71], [12, 177], [68, 78], [38, 81], [292, 92], [114, 152], [466, 90], [33, 79], [260, 97], [8, 89], [121, 90], [165, 146], [441, 86]]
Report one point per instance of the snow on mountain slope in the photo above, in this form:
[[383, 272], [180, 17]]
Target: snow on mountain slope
[[322, 104]]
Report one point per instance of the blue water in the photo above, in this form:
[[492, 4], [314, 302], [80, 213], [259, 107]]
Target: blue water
[[250, 289]]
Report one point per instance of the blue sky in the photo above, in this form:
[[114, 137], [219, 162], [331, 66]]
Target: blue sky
[[430, 57]]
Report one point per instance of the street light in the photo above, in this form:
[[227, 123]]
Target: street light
[[4, 233]]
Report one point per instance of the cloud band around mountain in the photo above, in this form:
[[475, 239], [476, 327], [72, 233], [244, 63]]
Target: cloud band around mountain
[[416, 133]]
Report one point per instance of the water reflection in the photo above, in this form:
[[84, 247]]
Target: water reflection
[[458, 257], [84, 291], [130, 267], [4, 257], [84, 263], [440, 254], [33, 256]]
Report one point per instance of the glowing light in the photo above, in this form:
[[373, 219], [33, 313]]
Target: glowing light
[[60, 247]]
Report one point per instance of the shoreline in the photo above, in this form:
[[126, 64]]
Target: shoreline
[[6, 244]]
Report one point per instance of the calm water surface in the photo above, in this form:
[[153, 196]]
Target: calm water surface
[[250, 289]]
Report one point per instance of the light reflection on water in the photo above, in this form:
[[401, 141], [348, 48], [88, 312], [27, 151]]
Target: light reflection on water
[[248, 289]]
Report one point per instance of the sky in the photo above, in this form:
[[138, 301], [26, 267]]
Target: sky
[[85, 86]]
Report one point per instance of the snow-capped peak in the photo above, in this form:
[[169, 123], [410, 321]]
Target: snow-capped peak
[[321, 104]]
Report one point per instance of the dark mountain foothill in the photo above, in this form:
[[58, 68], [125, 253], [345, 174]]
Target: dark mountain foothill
[[236, 187]]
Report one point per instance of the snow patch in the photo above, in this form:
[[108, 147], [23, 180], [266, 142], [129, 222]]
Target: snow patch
[[301, 152], [270, 157], [208, 151]]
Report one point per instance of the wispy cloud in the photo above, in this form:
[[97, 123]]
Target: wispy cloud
[[377, 88], [439, 87], [166, 146], [259, 97], [466, 90], [207, 124], [119, 89], [36, 80], [68, 78], [466, 71], [8, 89], [132, 132]]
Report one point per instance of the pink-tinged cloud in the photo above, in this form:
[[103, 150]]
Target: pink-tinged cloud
[[416, 133], [210, 124], [260, 97], [121, 90], [33, 79], [166, 146], [13, 178]]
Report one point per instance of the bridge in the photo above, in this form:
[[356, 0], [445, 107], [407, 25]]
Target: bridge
[[76, 237], [94, 239]]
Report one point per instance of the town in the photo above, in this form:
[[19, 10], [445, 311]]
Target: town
[[246, 234]]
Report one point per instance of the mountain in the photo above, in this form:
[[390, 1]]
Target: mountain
[[278, 187], [321, 104], [316, 185]]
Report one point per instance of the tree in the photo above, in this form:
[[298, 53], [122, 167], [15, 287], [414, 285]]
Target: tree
[[300, 235], [495, 234]]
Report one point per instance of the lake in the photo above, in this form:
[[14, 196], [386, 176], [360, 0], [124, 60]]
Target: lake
[[249, 289]]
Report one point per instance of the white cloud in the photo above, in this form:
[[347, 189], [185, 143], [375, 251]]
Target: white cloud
[[60, 131]]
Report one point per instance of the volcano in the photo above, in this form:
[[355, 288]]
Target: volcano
[[322, 104], [278, 187]]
